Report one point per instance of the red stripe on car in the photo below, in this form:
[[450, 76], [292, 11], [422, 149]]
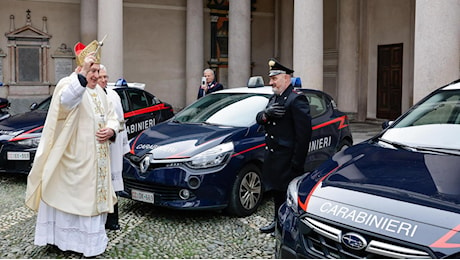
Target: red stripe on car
[[333, 121], [304, 205], [145, 110]]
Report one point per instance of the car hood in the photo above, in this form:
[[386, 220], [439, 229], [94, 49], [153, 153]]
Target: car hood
[[419, 176], [24, 121], [398, 193], [171, 140]]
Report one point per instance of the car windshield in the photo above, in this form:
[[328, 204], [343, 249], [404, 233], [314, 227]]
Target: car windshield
[[434, 123], [44, 105], [226, 109]]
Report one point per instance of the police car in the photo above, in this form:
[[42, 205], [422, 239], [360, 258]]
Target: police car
[[20, 134], [395, 195], [210, 155], [142, 109]]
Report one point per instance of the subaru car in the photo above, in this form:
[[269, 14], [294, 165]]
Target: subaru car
[[20, 134], [210, 154], [395, 195]]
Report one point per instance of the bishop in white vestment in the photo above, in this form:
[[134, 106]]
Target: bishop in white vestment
[[70, 184]]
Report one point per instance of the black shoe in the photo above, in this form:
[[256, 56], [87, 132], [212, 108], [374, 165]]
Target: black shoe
[[112, 226], [54, 248], [270, 228], [112, 219]]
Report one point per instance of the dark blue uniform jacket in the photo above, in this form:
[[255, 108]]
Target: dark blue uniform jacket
[[287, 139]]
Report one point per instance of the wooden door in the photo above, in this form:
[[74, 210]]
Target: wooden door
[[389, 81]]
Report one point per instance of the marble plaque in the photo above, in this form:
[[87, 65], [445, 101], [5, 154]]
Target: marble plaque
[[29, 64], [63, 68]]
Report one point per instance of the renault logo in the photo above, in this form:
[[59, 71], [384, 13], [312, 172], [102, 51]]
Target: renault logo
[[354, 241], [145, 163]]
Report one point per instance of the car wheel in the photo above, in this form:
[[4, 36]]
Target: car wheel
[[343, 145], [247, 192]]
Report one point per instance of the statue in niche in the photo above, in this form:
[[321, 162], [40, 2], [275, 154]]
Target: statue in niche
[[63, 50]]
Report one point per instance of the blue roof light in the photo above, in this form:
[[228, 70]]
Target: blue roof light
[[296, 82], [121, 82]]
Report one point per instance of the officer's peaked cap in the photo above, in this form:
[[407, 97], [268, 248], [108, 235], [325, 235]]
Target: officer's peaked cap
[[277, 68]]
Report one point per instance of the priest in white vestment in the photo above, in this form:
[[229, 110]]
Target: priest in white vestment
[[69, 184], [118, 148]]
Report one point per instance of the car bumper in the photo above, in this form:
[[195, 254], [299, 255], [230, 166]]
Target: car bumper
[[175, 187], [295, 239], [310, 236], [16, 160], [288, 236]]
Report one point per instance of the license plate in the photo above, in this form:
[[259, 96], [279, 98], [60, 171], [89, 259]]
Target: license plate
[[18, 156], [142, 196]]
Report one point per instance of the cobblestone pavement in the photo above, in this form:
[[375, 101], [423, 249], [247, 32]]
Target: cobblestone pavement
[[147, 231], [150, 232]]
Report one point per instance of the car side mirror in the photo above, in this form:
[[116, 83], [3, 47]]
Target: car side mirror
[[33, 106], [386, 124]]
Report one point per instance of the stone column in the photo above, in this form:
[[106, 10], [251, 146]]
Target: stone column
[[2, 55], [3, 89], [347, 94], [308, 42], [286, 32], [239, 43], [45, 50], [110, 23], [363, 61], [194, 55], [12, 64], [436, 45], [88, 21]]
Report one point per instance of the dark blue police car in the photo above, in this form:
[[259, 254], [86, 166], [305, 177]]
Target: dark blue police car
[[210, 155], [20, 134], [395, 195]]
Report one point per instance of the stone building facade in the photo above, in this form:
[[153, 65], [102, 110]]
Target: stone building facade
[[375, 57]]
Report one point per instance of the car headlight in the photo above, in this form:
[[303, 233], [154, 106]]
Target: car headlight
[[29, 138], [293, 194], [32, 142], [213, 157]]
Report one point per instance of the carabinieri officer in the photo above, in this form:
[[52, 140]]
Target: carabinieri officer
[[287, 124]]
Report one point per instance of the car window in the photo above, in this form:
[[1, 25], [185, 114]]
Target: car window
[[227, 109], [317, 104], [231, 115], [124, 100], [441, 108], [152, 100], [138, 99], [439, 114], [44, 105]]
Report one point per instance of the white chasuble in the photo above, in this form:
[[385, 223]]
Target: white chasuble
[[120, 146], [71, 170]]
